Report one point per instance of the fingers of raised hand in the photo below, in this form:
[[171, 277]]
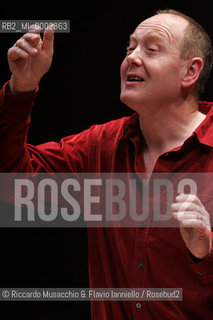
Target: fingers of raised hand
[[26, 45], [33, 28]]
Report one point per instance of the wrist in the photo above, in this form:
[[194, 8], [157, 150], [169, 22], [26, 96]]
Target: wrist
[[194, 258], [19, 87], [203, 252]]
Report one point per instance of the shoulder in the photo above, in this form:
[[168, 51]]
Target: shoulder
[[112, 129], [205, 106], [114, 125]]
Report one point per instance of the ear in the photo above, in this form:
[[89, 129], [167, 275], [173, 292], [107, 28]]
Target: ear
[[193, 69]]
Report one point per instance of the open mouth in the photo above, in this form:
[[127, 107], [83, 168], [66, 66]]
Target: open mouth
[[134, 79]]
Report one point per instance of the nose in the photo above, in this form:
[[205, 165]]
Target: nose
[[134, 58]]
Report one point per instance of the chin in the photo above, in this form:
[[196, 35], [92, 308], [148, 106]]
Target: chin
[[130, 101]]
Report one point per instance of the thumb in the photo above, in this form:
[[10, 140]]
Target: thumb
[[48, 39]]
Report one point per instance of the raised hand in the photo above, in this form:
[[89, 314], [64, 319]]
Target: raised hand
[[30, 58]]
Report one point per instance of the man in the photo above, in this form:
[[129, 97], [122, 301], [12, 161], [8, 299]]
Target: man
[[167, 64]]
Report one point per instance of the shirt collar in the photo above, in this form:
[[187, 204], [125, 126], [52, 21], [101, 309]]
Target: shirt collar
[[204, 131], [131, 128]]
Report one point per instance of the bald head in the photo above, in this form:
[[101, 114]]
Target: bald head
[[168, 26]]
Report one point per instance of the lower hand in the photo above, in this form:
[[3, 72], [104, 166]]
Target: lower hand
[[195, 225]]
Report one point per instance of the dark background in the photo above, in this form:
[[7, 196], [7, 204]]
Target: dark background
[[82, 88]]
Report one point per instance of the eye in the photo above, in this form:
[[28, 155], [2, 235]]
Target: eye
[[152, 49], [129, 50]]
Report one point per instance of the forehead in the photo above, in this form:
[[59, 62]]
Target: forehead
[[168, 27]]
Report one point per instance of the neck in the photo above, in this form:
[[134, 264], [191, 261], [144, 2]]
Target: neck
[[165, 128]]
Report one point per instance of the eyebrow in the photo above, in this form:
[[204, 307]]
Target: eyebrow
[[151, 34], [132, 37]]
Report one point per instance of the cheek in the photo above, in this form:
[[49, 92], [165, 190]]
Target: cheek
[[123, 69]]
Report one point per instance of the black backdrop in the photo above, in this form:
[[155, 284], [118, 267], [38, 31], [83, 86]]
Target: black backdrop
[[81, 88]]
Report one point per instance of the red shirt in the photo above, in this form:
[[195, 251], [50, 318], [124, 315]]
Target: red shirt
[[122, 257]]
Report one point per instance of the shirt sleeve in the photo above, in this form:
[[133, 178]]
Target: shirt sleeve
[[68, 155]]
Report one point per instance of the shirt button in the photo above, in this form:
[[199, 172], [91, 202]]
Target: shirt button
[[139, 265], [143, 226], [138, 305], [200, 273]]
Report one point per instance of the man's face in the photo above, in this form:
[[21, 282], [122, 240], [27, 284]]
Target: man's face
[[152, 69]]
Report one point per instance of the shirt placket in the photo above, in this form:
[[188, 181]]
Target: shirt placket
[[139, 271]]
